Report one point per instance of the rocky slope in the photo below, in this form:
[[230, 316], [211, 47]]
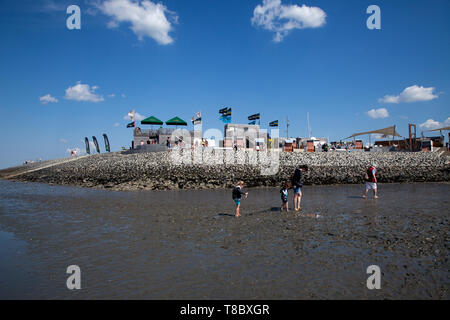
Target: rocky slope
[[210, 169]]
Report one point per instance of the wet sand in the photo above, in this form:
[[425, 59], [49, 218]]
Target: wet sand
[[187, 244]]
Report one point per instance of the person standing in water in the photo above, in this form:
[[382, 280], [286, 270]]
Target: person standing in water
[[297, 184], [371, 181], [284, 197], [237, 196]]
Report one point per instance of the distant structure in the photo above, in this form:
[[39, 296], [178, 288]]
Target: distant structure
[[157, 138], [248, 136]]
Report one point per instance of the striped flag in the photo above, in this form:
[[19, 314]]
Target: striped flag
[[223, 110], [197, 119], [273, 123]]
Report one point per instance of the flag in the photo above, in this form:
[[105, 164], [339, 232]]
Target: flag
[[225, 115], [273, 123], [107, 146], [96, 144], [225, 119], [252, 122], [132, 115], [197, 119], [86, 141], [254, 117], [130, 125]]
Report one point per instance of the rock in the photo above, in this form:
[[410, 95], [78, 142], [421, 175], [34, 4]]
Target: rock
[[213, 169]]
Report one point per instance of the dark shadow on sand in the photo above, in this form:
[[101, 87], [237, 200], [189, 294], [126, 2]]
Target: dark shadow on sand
[[226, 215]]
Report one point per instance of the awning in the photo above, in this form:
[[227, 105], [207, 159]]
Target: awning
[[441, 129], [385, 132], [176, 122], [152, 120]]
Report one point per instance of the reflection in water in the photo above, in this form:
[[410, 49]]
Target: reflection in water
[[189, 245]]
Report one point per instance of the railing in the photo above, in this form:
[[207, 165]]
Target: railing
[[152, 132]]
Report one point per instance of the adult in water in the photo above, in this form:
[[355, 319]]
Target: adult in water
[[297, 184], [371, 181]]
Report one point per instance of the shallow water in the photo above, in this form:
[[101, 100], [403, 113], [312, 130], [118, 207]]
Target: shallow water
[[188, 245]]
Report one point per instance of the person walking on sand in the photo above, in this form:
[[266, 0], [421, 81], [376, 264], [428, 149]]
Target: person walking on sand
[[297, 184], [237, 195], [371, 181], [284, 197]]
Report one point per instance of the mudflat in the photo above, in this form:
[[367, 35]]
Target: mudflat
[[186, 244]]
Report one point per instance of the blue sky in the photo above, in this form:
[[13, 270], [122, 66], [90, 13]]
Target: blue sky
[[204, 55]]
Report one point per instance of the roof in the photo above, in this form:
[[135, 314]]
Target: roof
[[390, 131], [152, 120], [176, 122]]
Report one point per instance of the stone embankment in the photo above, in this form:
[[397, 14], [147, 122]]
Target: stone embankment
[[212, 169]]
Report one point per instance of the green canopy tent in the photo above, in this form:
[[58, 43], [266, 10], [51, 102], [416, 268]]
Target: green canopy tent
[[152, 121], [176, 122]]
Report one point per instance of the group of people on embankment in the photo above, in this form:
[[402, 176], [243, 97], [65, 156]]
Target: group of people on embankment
[[296, 184]]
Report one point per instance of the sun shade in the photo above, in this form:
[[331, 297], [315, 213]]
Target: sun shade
[[152, 120], [385, 132], [176, 122], [441, 129]]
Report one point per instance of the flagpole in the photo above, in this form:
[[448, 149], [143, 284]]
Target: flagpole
[[287, 127]]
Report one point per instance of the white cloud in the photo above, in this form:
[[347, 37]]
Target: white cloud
[[123, 95], [281, 19], [112, 95], [63, 140], [411, 94], [447, 122], [116, 124], [380, 113], [50, 5], [82, 92], [138, 116], [147, 19], [47, 99], [430, 124]]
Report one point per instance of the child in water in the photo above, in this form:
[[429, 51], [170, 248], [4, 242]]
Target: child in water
[[237, 195], [284, 197]]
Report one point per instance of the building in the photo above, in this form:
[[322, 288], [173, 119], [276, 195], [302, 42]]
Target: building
[[144, 138], [317, 143], [245, 136]]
